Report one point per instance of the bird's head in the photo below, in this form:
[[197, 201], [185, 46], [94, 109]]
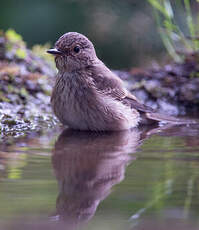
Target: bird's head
[[73, 51]]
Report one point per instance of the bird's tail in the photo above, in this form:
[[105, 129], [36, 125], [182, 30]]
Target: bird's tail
[[169, 119]]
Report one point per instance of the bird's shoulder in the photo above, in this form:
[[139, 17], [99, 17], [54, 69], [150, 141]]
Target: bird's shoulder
[[109, 83], [106, 82]]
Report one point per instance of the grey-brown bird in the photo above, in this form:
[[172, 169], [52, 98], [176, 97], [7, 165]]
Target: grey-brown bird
[[88, 96]]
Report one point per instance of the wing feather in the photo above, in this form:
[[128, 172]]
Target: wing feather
[[108, 83]]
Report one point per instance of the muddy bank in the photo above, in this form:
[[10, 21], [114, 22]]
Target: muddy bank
[[172, 89], [26, 81], [27, 77]]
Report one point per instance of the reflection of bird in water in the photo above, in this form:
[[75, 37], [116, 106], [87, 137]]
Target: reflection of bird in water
[[189, 134], [87, 165]]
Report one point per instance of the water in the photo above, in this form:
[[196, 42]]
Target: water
[[136, 180]]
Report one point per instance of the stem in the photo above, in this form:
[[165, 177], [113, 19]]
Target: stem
[[190, 23], [166, 39]]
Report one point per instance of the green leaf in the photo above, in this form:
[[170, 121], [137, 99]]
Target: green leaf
[[21, 53], [24, 92], [156, 4], [168, 8], [12, 36]]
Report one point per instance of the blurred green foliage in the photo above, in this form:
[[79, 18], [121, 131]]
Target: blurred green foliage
[[124, 32], [12, 36], [178, 38]]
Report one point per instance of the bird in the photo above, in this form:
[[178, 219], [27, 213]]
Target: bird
[[87, 95]]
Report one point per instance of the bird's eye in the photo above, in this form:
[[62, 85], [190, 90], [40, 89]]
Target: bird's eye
[[76, 49]]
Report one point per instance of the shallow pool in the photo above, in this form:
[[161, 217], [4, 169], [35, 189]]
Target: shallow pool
[[139, 179]]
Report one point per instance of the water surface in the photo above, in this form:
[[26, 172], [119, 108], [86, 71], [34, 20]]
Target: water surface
[[138, 179]]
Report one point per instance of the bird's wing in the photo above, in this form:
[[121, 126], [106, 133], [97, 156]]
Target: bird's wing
[[136, 104], [107, 83]]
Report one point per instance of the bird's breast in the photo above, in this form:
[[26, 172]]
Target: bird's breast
[[72, 99]]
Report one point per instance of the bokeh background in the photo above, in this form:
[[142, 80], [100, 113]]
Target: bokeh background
[[124, 32]]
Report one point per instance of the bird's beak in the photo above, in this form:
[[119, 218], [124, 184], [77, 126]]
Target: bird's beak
[[54, 51]]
